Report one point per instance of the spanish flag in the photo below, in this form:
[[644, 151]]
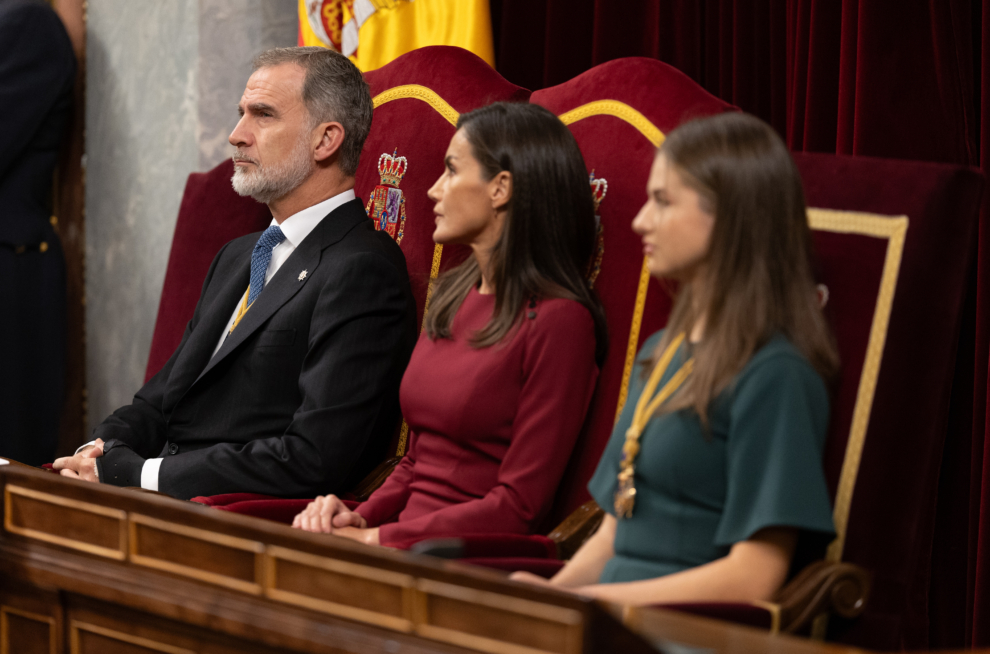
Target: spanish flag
[[374, 32]]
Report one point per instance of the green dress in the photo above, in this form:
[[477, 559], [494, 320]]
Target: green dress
[[697, 494]]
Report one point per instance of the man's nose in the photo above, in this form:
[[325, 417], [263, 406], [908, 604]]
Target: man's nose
[[240, 135]]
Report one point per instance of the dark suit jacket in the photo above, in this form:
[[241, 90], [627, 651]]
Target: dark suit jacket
[[37, 69], [302, 398]]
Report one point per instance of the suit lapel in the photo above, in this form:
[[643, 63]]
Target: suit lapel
[[203, 339], [286, 282]]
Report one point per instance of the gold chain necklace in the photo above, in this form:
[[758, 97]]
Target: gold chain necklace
[[625, 494]]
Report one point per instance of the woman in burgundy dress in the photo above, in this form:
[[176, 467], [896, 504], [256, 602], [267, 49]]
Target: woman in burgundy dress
[[498, 385]]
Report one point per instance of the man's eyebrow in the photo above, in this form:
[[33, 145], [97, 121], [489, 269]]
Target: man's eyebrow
[[259, 107]]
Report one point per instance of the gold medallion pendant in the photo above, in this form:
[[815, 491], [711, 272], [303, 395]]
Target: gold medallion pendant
[[625, 493]]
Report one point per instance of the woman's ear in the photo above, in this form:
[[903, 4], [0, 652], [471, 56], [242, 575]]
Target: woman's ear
[[500, 189], [331, 137]]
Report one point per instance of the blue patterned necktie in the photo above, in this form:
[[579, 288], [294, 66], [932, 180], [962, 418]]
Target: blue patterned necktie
[[260, 259]]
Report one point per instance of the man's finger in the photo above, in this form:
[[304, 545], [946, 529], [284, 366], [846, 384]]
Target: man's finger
[[59, 463], [69, 473]]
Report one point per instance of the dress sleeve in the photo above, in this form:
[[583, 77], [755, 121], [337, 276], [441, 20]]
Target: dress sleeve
[[390, 498], [779, 417], [557, 381]]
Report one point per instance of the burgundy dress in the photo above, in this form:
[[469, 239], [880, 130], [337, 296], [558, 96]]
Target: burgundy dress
[[491, 429]]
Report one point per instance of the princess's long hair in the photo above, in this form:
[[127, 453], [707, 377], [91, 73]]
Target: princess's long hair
[[758, 277]]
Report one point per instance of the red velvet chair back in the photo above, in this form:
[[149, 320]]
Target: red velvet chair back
[[893, 259], [418, 98], [210, 215], [619, 112]]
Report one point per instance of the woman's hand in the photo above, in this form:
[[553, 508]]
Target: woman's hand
[[326, 515]]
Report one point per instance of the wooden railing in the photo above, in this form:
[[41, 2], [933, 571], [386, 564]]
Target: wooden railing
[[88, 568]]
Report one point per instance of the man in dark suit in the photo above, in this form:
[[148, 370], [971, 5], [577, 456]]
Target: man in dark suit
[[286, 379], [37, 69]]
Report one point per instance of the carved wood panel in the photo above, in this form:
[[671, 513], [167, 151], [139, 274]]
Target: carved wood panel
[[30, 620]]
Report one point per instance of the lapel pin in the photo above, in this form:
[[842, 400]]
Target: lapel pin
[[302, 275]]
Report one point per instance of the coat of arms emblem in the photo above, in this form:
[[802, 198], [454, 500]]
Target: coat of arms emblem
[[599, 187], [387, 205]]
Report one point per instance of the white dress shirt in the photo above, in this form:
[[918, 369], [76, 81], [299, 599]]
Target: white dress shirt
[[296, 228]]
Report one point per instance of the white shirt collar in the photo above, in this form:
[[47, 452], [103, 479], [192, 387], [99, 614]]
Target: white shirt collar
[[298, 226]]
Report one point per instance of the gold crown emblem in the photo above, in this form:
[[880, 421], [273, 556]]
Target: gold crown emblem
[[391, 168], [599, 187]]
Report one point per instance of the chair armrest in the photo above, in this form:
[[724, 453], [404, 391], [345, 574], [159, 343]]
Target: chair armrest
[[823, 587], [576, 528], [374, 479]]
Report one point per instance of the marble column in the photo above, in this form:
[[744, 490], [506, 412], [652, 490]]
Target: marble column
[[163, 80]]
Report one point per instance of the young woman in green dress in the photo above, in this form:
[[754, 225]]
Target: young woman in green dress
[[715, 465]]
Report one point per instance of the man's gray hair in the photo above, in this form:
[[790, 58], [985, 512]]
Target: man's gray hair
[[334, 91]]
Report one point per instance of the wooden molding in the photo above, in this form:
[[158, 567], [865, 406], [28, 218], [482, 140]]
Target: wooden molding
[[82, 526]]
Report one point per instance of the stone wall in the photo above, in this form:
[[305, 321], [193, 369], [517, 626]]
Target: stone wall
[[163, 81]]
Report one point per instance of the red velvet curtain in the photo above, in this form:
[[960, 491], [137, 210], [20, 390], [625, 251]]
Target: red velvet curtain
[[886, 78]]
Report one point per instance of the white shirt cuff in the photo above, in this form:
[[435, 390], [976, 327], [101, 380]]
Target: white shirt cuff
[[149, 474], [79, 449]]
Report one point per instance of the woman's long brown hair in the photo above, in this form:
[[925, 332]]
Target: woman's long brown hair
[[549, 231], [758, 277]]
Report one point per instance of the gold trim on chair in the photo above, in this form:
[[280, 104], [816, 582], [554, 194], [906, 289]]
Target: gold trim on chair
[[653, 134], [774, 611], [620, 110], [633, 345], [417, 92], [894, 229]]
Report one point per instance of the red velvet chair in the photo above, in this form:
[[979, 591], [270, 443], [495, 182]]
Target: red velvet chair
[[892, 262]]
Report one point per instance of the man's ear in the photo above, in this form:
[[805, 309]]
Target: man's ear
[[500, 189], [331, 137]]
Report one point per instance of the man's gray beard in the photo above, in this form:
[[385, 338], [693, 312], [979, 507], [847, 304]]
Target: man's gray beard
[[274, 181]]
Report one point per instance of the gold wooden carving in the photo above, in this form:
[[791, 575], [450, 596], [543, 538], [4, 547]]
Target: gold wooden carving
[[78, 631], [197, 553], [496, 623], [10, 630], [62, 521], [341, 588]]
